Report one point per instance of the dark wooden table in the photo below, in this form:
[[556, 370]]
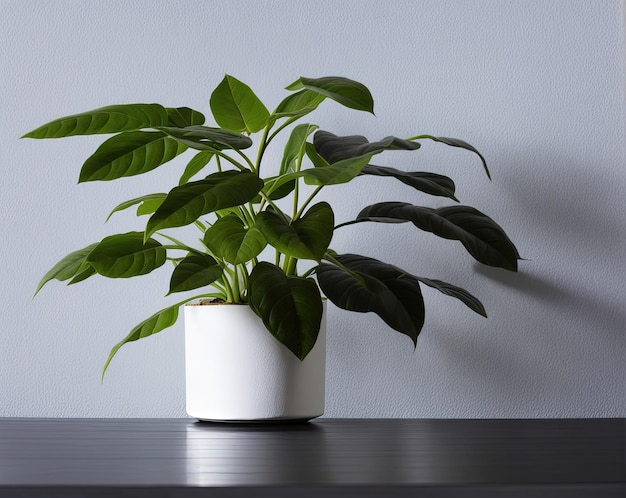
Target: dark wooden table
[[159, 458]]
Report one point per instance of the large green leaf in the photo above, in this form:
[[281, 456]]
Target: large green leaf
[[156, 323], [186, 203], [128, 154], [367, 285], [207, 138], [195, 270], [236, 107], [334, 148], [126, 255], [183, 116], [483, 238], [294, 148], [290, 307], [298, 104], [138, 200], [305, 238], [110, 119], [430, 183], [347, 92], [69, 267], [234, 242]]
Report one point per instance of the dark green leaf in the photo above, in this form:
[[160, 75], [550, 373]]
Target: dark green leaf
[[452, 290], [128, 154], [334, 148], [126, 255], [134, 202], [232, 241], [347, 92], [183, 116], [294, 149], [483, 238], [197, 163], [455, 142], [194, 271], [305, 238], [290, 307], [429, 183], [110, 119], [364, 284], [207, 138], [186, 203], [236, 107], [69, 267]]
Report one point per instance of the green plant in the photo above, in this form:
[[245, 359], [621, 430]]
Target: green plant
[[240, 207]]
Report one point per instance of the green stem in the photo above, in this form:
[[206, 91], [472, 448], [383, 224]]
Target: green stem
[[262, 147], [308, 201]]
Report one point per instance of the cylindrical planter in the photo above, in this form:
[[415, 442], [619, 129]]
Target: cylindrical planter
[[236, 371]]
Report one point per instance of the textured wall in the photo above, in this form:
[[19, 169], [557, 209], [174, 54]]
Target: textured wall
[[537, 86]]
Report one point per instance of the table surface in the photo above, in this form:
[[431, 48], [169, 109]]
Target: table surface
[[79, 458]]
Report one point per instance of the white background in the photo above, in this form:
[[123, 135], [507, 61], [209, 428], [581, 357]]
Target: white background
[[537, 86]]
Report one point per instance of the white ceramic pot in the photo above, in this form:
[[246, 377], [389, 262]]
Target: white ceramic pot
[[236, 371]]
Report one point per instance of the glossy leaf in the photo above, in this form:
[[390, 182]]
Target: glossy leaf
[[289, 306], [236, 107], [207, 138], [195, 270], [134, 202], [69, 267], [347, 92], [298, 104], [430, 183], [186, 203], [156, 323], [482, 237], [232, 241], [197, 163], [294, 149], [305, 238], [183, 116], [367, 285], [334, 148], [126, 255], [455, 142], [110, 119], [128, 154]]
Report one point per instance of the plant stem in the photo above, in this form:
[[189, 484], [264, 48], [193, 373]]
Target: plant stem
[[308, 201]]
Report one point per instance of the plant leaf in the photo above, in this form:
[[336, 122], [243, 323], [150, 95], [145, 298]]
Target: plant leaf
[[334, 148], [70, 266], [455, 142], [186, 203], [430, 183], [305, 238], [199, 161], [294, 148], [347, 92], [207, 138], [126, 255], [232, 241], [183, 116], [133, 202], [317, 160], [481, 236], [128, 154], [236, 107], [110, 119], [194, 271], [150, 326], [290, 307], [298, 104], [452, 290], [379, 288]]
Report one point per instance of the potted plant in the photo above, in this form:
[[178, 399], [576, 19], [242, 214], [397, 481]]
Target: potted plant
[[264, 240]]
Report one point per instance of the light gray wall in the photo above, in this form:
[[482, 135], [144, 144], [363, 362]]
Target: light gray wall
[[537, 86]]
